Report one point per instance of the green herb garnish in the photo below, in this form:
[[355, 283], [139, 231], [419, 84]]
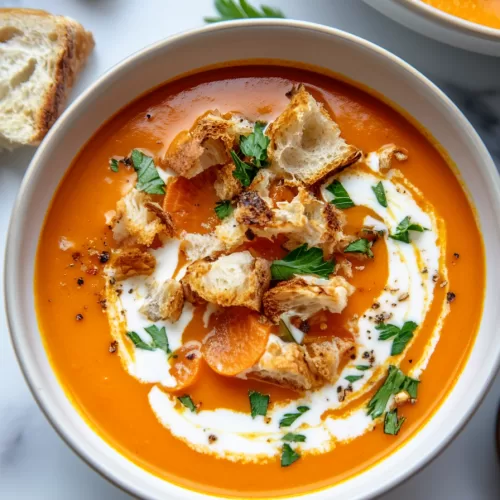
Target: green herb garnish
[[380, 194], [392, 424], [302, 261], [401, 335], [159, 336], [148, 179], [362, 368], [258, 403], [244, 172], [255, 145], [231, 9], [113, 164], [353, 378], [289, 418], [188, 402], [341, 197], [138, 342], [395, 382], [403, 229], [288, 456], [360, 246], [223, 209], [294, 438]]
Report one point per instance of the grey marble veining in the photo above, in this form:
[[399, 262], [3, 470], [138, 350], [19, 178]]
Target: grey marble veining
[[34, 462]]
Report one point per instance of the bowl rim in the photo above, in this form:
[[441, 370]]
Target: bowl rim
[[13, 312], [450, 21]]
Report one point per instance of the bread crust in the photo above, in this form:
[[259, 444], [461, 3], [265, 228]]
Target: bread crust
[[77, 44]]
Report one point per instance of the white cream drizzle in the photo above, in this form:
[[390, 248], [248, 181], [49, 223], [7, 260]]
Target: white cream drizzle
[[241, 438]]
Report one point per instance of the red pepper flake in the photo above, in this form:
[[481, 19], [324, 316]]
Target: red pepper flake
[[92, 271], [113, 347]]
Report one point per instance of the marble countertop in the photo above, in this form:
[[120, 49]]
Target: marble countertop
[[34, 461]]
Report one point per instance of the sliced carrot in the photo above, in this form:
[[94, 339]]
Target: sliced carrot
[[237, 342], [191, 203], [185, 366]]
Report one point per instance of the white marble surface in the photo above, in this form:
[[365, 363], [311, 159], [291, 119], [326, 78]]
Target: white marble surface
[[34, 462]]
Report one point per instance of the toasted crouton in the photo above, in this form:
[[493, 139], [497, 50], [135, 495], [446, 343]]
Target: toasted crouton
[[131, 262], [164, 301], [206, 144], [198, 246], [306, 142], [389, 152], [261, 184], [138, 219], [238, 279], [252, 210], [226, 185], [304, 296], [297, 367]]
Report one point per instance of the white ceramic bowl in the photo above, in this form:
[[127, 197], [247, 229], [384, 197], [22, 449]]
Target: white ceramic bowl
[[441, 26], [325, 47]]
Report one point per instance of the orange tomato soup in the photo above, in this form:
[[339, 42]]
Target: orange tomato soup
[[69, 282], [485, 12]]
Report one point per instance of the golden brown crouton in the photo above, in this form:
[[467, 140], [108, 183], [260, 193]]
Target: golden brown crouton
[[238, 279], [306, 143], [164, 301], [198, 246], [299, 367], [138, 219], [206, 144], [304, 296], [389, 152], [252, 210], [131, 262], [226, 185]]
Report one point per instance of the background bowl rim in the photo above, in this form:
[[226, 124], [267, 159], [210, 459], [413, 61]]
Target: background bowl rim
[[13, 310]]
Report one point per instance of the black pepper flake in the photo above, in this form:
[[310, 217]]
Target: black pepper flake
[[112, 281], [435, 278], [127, 161], [450, 297], [131, 290], [148, 116], [339, 388], [375, 305], [191, 356], [80, 281], [113, 347], [456, 255], [104, 257], [366, 355], [249, 234], [353, 356], [103, 303], [304, 326], [79, 317], [76, 255], [212, 438], [410, 361]]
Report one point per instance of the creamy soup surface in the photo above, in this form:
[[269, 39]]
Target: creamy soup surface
[[485, 12], [256, 281]]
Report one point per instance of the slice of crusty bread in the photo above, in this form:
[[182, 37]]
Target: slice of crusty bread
[[306, 142], [40, 56]]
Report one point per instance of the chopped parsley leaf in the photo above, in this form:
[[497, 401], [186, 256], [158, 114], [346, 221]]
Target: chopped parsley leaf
[[302, 261], [138, 342], [360, 246], [113, 164], [223, 209], [289, 418], [294, 438], [255, 145], [401, 335], [403, 230], [231, 9], [288, 456], [188, 403], [258, 403], [244, 172], [392, 424], [341, 197], [353, 378], [148, 178], [380, 194], [410, 385], [362, 368], [159, 336]]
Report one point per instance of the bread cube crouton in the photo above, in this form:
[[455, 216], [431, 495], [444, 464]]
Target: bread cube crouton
[[388, 153], [300, 367], [306, 142], [164, 301], [131, 262], [206, 144], [226, 185], [252, 210], [238, 279], [138, 219], [304, 296]]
